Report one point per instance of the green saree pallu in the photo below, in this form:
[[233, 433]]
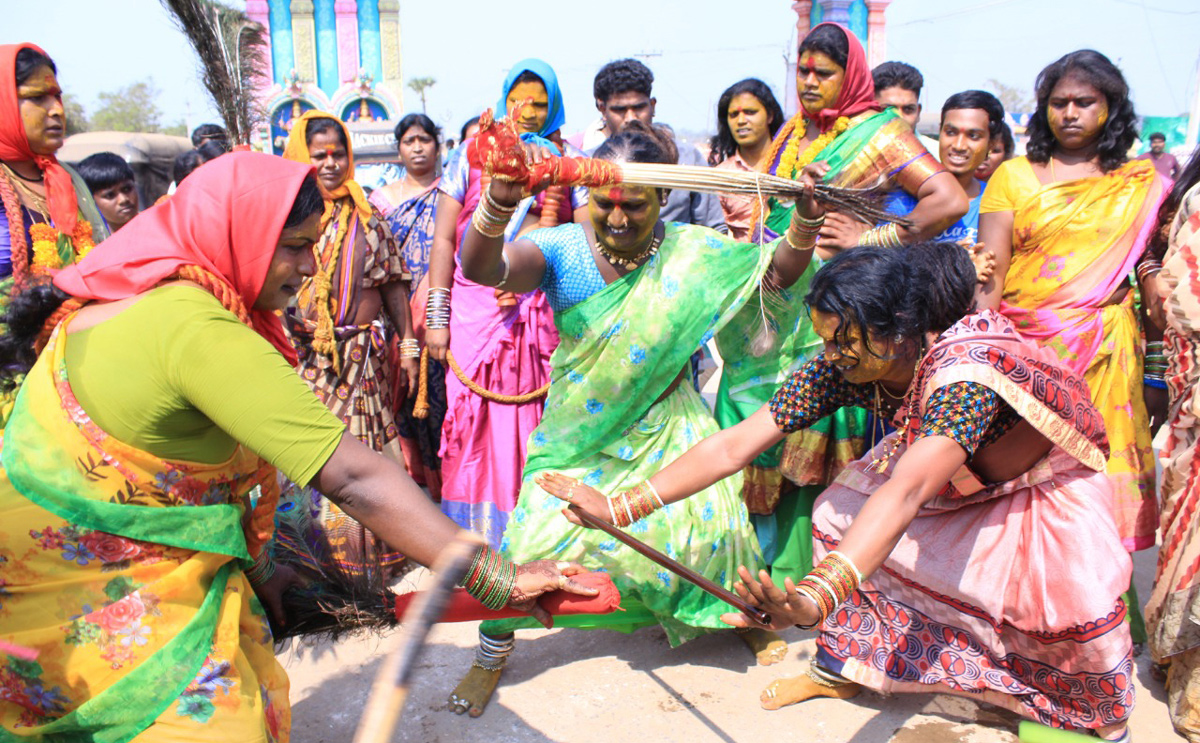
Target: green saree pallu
[[622, 348], [760, 350]]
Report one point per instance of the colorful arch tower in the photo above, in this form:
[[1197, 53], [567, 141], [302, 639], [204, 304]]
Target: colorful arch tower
[[340, 56]]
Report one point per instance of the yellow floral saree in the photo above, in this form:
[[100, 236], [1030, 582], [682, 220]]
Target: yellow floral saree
[[123, 572], [1075, 244]]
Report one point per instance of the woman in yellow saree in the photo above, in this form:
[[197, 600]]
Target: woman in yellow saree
[[1068, 224], [129, 553]]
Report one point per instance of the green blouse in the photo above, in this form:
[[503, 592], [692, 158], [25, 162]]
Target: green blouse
[[179, 376]]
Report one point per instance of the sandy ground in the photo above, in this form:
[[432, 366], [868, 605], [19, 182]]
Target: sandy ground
[[572, 686]]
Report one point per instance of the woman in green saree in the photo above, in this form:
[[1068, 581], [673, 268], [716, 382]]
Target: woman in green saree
[[632, 298], [840, 131]]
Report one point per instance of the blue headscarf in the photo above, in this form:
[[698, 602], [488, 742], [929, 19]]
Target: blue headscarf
[[556, 116]]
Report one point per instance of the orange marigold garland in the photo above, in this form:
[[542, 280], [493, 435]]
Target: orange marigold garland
[[49, 244]]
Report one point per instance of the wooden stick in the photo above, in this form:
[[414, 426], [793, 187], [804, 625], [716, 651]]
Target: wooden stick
[[390, 689], [691, 576]]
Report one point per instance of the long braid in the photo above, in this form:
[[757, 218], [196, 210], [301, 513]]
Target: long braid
[[219, 288], [60, 314], [16, 230]]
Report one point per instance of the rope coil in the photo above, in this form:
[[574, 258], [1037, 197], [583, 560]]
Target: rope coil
[[421, 406]]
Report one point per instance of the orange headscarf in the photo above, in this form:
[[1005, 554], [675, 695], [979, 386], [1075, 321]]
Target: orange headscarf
[[14, 145], [225, 218], [297, 149]]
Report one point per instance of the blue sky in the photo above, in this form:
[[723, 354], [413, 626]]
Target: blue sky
[[696, 48]]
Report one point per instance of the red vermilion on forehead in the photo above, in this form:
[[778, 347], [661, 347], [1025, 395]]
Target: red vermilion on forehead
[[811, 64]]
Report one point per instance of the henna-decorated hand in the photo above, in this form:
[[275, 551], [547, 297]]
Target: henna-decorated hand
[[585, 497], [786, 606], [542, 576]]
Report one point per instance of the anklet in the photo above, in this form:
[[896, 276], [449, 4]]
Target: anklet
[[823, 677]]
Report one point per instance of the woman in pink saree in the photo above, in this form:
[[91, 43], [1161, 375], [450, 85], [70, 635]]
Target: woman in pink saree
[[500, 341]]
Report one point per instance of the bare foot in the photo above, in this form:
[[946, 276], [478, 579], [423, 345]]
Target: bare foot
[[474, 692], [768, 647], [800, 688]]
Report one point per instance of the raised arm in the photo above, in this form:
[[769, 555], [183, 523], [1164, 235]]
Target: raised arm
[[441, 266], [486, 259], [941, 202]]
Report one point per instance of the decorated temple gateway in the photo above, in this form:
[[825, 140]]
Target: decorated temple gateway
[[341, 56]]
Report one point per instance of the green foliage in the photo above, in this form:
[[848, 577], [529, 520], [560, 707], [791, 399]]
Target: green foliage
[[419, 85], [77, 120], [1014, 100], [132, 108]]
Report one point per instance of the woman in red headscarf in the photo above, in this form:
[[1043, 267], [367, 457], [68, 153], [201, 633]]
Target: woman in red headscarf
[[841, 132], [164, 397], [49, 218]]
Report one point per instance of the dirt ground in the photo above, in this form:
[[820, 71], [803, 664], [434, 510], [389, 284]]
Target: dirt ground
[[572, 686]]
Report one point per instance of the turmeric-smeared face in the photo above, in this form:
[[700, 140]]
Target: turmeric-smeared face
[[624, 217], [1076, 112], [818, 81], [533, 115], [331, 158], [40, 102], [860, 359]]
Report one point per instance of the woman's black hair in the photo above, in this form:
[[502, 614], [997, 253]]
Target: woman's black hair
[[185, 163], [722, 145], [29, 309], [638, 143], [308, 202], [1010, 145], [28, 62], [984, 101], [528, 76], [462, 134], [423, 121], [211, 149], [1188, 177], [889, 292], [828, 40], [323, 124], [1097, 70]]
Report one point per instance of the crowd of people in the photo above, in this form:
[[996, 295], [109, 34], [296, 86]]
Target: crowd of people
[[930, 444]]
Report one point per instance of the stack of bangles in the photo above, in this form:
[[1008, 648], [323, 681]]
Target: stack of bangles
[[634, 504], [802, 232], [410, 348], [1147, 267], [262, 570], [437, 308], [491, 578], [885, 236], [491, 219], [1155, 369], [829, 584]]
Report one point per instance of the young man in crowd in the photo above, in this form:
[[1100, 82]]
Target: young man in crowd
[[211, 133], [1164, 162], [623, 91], [898, 85], [111, 181]]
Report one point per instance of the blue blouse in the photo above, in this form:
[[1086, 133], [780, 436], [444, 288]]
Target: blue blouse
[[571, 272]]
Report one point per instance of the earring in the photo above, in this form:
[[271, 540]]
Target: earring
[[898, 339]]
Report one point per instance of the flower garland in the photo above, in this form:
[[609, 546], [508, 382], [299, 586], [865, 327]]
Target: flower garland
[[789, 163], [47, 244]]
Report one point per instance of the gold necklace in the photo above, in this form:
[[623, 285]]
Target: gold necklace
[[879, 464], [628, 263]]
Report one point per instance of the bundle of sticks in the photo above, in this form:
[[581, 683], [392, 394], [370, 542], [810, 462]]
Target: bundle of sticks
[[499, 153]]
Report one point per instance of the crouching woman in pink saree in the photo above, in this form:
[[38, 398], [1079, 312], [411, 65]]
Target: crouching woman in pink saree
[[974, 550]]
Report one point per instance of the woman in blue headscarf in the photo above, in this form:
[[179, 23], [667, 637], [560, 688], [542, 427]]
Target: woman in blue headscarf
[[500, 342]]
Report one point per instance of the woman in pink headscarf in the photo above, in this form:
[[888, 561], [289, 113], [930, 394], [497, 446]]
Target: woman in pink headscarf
[[163, 400]]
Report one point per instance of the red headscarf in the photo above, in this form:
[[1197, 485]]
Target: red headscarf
[[14, 145], [226, 218], [858, 89]]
